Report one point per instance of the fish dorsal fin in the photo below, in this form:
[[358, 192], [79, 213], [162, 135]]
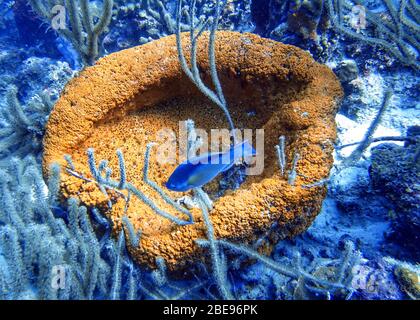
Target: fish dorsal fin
[[230, 156], [243, 149]]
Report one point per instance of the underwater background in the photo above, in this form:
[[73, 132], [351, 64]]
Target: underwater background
[[364, 244]]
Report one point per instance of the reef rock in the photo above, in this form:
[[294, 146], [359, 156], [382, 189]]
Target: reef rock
[[128, 97], [395, 173]]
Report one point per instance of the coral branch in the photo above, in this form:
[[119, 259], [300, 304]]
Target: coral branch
[[193, 73], [83, 33]]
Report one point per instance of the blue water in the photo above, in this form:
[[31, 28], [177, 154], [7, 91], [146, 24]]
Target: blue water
[[371, 212]]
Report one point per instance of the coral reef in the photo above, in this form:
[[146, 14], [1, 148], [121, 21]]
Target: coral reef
[[347, 71], [70, 253], [395, 28], [301, 23], [395, 173], [390, 27], [83, 32], [27, 272], [408, 277], [217, 96], [303, 18], [326, 279], [32, 32], [357, 153], [145, 97], [22, 129], [135, 23], [49, 242]]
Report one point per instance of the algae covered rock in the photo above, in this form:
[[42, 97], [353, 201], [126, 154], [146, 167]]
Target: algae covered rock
[[347, 71], [409, 281], [395, 173]]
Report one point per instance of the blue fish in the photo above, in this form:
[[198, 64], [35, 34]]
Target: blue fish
[[198, 171]]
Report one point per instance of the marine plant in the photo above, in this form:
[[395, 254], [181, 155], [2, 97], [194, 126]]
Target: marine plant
[[361, 146], [303, 17], [367, 140], [223, 215], [22, 127], [83, 32], [219, 262], [116, 277], [53, 251], [397, 33], [139, 22], [392, 26], [102, 177], [408, 276], [339, 283], [35, 242], [162, 19], [193, 73]]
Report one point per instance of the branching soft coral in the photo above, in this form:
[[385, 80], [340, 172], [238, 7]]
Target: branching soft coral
[[83, 32], [22, 126], [395, 29]]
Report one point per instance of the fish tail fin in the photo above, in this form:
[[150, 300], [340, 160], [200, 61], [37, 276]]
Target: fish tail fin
[[241, 150]]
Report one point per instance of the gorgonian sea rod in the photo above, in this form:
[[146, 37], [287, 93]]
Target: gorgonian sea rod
[[123, 101]]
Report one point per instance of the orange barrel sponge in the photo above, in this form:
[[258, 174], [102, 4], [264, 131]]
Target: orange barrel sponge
[[132, 97]]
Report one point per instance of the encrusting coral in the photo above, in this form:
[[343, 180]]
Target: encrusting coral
[[123, 101]]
